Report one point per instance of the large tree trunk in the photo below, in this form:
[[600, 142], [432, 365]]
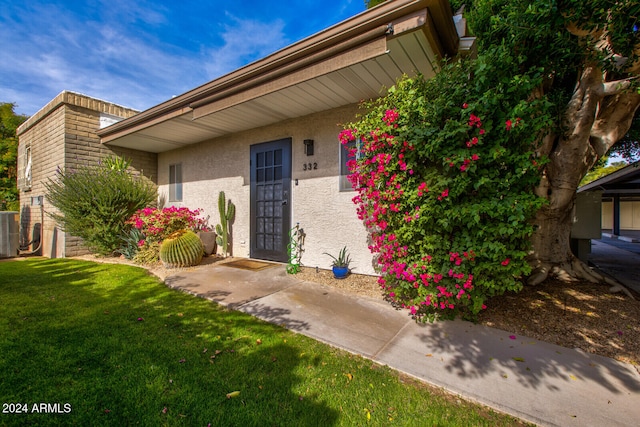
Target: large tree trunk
[[598, 115]]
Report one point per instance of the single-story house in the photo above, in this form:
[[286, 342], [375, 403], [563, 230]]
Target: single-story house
[[267, 133], [620, 192]]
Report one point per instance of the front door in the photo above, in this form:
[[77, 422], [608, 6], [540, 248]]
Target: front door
[[270, 199]]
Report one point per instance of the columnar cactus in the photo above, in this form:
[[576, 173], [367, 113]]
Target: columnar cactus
[[227, 214], [181, 249]]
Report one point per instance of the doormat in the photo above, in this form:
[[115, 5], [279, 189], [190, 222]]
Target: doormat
[[249, 264]]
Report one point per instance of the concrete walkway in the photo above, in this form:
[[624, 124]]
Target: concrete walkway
[[536, 381]]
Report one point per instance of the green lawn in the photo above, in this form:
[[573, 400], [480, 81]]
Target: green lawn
[[110, 345]]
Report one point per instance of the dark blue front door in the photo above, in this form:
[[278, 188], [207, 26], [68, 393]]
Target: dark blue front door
[[270, 199]]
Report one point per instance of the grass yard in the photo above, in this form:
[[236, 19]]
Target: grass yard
[[102, 344]]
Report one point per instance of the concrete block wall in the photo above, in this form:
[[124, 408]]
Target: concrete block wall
[[63, 135], [47, 154]]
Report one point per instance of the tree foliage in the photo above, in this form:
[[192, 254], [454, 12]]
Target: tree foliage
[[9, 122], [371, 3], [95, 201], [599, 171], [553, 89], [588, 54]]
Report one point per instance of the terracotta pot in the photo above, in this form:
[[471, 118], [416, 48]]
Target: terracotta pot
[[208, 239]]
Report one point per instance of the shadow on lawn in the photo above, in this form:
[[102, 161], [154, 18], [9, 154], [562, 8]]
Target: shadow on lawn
[[121, 349]]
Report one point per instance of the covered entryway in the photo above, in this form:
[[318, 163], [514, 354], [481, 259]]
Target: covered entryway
[[270, 199]]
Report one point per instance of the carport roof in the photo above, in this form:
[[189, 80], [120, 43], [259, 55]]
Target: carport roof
[[623, 182], [341, 65]]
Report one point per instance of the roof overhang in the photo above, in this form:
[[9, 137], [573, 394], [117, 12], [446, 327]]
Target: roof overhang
[[623, 182], [342, 65]]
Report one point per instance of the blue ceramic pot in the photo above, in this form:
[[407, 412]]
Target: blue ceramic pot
[[340, 272]]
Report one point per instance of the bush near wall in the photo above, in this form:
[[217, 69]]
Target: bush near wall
[[148, 227], [444, 175], [95, 201]]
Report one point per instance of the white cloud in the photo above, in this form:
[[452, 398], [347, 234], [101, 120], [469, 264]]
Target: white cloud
[[134, 53], [245, 41]]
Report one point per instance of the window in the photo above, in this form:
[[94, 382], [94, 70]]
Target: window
[[24, 167], [27, 168], [345, 185], [175, 183]]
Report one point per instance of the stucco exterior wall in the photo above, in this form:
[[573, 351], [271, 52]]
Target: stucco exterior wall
[[63, 135], [327, 215]]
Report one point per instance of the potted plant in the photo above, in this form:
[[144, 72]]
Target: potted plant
[[340, 263]]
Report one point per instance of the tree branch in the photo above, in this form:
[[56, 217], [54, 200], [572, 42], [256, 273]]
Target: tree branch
[[614, 119], [617, 86]]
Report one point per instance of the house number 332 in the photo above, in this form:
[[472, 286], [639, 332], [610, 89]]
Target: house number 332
[[309, 166]]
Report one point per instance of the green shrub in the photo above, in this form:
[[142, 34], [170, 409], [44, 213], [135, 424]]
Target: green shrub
[[444, 176], [95, 201], [133, 240]]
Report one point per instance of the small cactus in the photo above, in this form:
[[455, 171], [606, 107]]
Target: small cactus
[[227, 214], [181, 249]]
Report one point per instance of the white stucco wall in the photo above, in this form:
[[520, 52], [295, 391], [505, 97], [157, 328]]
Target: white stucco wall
[[327, 215]]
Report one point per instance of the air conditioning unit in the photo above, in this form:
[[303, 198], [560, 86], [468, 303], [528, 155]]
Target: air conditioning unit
[[9, 234]]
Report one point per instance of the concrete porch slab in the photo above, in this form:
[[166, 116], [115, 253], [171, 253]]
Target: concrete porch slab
[[231, 287]]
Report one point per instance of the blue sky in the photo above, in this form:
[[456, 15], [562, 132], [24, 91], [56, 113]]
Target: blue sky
[[138, 53]]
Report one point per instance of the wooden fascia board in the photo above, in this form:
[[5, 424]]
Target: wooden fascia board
[[285, 77], [111, 136], [342, 60]]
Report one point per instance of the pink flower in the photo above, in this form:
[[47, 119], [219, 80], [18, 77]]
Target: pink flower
[[474, 157], [472, 142], [505, 262], [346, 135], [508, 124], [390, 116], [140, 243], [474, 121]]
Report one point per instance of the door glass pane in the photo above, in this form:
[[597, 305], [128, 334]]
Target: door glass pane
[[277, 160], [268, 158], [260, 160]]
